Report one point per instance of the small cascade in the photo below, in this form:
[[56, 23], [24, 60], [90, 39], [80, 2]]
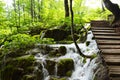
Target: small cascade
[[56, 69], [45, 72], [83, 68], [42, 35]]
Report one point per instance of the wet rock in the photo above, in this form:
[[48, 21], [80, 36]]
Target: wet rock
[[62, 50], [50, 66], [87, 43], [65, 67]]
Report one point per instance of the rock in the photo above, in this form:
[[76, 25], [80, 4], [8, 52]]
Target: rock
[[50, 66], [28, 77], [87, 43], [54, 78], [62, 50], [65, 67], [56, 34], [16, 68]]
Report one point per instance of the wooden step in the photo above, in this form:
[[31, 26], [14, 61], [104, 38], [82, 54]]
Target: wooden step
[[111, 51], [106, 33], [108, 42], [114, 71], [112, 59], [102, 28], [112, 31], [109, 46], [107, 37], [115, 78]]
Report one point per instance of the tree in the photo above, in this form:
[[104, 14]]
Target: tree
[[66, 8], [114, 8], [72, 32]]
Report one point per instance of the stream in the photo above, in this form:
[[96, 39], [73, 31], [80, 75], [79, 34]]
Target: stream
[[83, 68]]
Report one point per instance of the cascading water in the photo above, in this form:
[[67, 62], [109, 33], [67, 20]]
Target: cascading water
[[83, 68]]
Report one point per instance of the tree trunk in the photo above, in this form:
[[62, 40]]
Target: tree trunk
[[19, 13], [114, 8], [66, 8], [31, 9], [14, 4], [38, 10], [72, 32]]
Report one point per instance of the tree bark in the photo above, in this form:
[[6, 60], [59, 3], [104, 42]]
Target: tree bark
[[114, 8], [66, 8]]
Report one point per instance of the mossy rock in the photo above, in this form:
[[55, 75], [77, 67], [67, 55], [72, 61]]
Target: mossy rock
[[54, 53], [55, 78], [28, 77], [87, 43], [50, 66], [62, 50], [36, 30], [16, 68], [56, 34], [65, 66]]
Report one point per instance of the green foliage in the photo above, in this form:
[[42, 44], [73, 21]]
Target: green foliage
[[19, 41]]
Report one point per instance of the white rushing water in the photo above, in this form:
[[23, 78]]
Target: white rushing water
[[82, 71]]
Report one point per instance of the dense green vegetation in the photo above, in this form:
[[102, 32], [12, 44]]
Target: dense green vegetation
[[27, 18]]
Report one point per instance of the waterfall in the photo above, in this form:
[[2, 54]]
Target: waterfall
[[82, 70]]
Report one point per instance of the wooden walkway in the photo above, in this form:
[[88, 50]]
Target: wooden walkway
[[108, 41]]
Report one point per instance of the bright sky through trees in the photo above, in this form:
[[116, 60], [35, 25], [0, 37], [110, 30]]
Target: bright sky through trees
[[90, 3]]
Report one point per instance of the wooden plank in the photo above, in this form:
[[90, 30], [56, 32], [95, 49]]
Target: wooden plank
[[112, 31], [108, 42], [102, 28], [112, 59], [109, 46], [110, 51], [107, 37], [106, 33], [115, 78]]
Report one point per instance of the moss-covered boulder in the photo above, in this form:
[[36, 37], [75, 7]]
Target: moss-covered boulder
[[50, 66], [62, 50], [65, 67], [54, 78], [14, 69], [28, 77], [56, 34]]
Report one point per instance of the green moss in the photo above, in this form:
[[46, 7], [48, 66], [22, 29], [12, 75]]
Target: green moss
[[87, 43], [65, 66], [69, 73], [62, 50], [15, 68], [29, 77]]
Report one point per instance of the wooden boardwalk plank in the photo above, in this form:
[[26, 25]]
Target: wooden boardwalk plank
[[107, 37], [109, 46], [106, 33], [109, 42], [102, 28], [111, 51], [112, 31]]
